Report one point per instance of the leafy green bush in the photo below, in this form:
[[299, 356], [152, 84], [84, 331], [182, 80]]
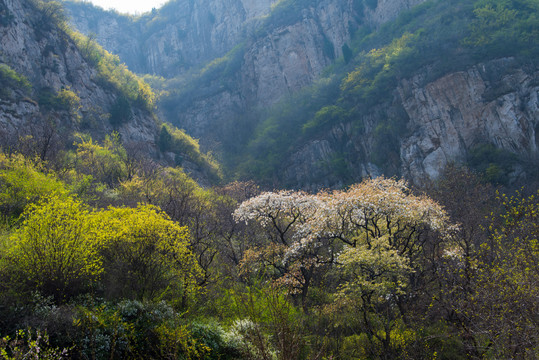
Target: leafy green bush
[[22, 183], [146, 255], [493, 163], [27, 345], [9, 78], [501, 28], [106, 163], [120, 112], [134, 329], [55, 250], [174, 140], [52, 15], [324, 118], [63, 100]]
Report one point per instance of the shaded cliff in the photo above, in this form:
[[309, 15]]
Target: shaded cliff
[[170, 40], [58, 83], [440, 84], [288, 51]]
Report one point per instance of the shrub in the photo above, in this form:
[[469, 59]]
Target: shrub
[[120, 112], [146, 255], [55, 250], [23, 183], [26, 346], [9, 78]]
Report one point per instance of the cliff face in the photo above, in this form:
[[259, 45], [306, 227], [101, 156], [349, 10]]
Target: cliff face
[[281, 51], [280, 58], [170, 40], [492, 103], [34, 47]]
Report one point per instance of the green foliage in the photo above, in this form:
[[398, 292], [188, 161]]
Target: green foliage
[[52, 14], [282, 127], [445, 35], [26, 346], [174, 140], [283, 13], [165, 140], [375, 72], [497, 306], [262, 310], [325, 118], [63, 100], [120, 111], [134, 329], [147, 255], [23, 183], [55, 250], [9, 78], [507, 277], [506, 27], [102, 332], [493, 163], [386, 144], [106, 163], [114, 73]]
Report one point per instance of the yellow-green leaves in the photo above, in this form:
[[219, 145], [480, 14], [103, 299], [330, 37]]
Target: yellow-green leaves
[[377, 68], [376, 268], [146, 254], [54, 250], [64, 249], [23, 183]]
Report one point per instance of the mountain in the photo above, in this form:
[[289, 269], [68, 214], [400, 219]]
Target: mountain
[[170, 40], [56, 83], [311, 94]]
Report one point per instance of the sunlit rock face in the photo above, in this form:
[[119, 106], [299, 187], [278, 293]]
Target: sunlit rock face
[[491, 103], [494, 102]]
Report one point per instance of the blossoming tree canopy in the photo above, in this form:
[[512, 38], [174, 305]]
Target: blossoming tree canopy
[[368, 210], [377, 215]]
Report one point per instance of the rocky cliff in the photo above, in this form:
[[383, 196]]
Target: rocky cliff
[[232, 61], [281, 51], [51, 90], [43, 53], [494, 103], [170, 40], [283, 55]]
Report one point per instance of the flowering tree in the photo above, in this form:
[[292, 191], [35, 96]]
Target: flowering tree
[[284, 215], [374, 234]]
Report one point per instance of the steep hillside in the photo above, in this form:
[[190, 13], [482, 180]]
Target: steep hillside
[[289, 50], [170, 40], [57, 83], [445, 82], [322, 93]]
